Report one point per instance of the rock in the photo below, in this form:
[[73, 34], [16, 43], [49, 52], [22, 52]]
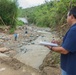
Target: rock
[[1, 40], [4, 49], [32, 43], [11, 53], [23, 49], [37, 35], [3, 55]]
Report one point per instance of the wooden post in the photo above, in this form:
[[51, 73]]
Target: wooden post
[[70, 4], [2, 21]]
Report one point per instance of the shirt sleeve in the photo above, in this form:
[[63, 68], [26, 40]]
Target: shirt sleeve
[[70, 41]]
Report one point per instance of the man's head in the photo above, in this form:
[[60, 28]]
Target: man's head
[[71, 16]]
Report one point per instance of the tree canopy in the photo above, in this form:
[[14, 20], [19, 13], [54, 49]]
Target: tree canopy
[[8, 12], [50, 14]]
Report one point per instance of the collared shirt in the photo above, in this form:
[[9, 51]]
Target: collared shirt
[[68, 61]]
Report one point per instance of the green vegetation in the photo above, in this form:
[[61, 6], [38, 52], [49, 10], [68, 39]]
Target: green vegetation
[[11, 30], [19, 23], [8, 13], [50, 14]]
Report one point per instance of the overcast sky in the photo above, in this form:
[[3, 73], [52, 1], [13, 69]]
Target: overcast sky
[[30, 3]]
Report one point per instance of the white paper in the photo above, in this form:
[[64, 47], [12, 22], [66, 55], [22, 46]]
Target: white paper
[[48, 43]]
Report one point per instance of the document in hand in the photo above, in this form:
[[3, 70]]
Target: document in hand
[[48, 43]]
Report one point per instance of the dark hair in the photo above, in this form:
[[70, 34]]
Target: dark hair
[[73, 12]]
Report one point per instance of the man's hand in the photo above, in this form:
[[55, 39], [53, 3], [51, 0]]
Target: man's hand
[[56, 41], [48, 46]]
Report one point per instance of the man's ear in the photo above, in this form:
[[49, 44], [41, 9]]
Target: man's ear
[[72, 16]]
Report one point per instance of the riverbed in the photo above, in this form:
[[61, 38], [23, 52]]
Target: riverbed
[[27, 49]]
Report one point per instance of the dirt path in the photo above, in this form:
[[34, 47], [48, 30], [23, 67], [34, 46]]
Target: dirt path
[[11, 66]]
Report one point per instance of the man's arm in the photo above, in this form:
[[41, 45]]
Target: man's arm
[[58, 49]]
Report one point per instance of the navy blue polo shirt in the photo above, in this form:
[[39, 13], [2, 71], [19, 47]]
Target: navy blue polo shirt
[[68, 61]]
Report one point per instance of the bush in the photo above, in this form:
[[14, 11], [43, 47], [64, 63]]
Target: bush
[[11, 31], [19, 23], [8, 12]]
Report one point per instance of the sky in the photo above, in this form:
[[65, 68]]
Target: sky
[[30, 3]]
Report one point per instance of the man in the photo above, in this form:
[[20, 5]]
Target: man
[[68, 47], [15, 36]]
